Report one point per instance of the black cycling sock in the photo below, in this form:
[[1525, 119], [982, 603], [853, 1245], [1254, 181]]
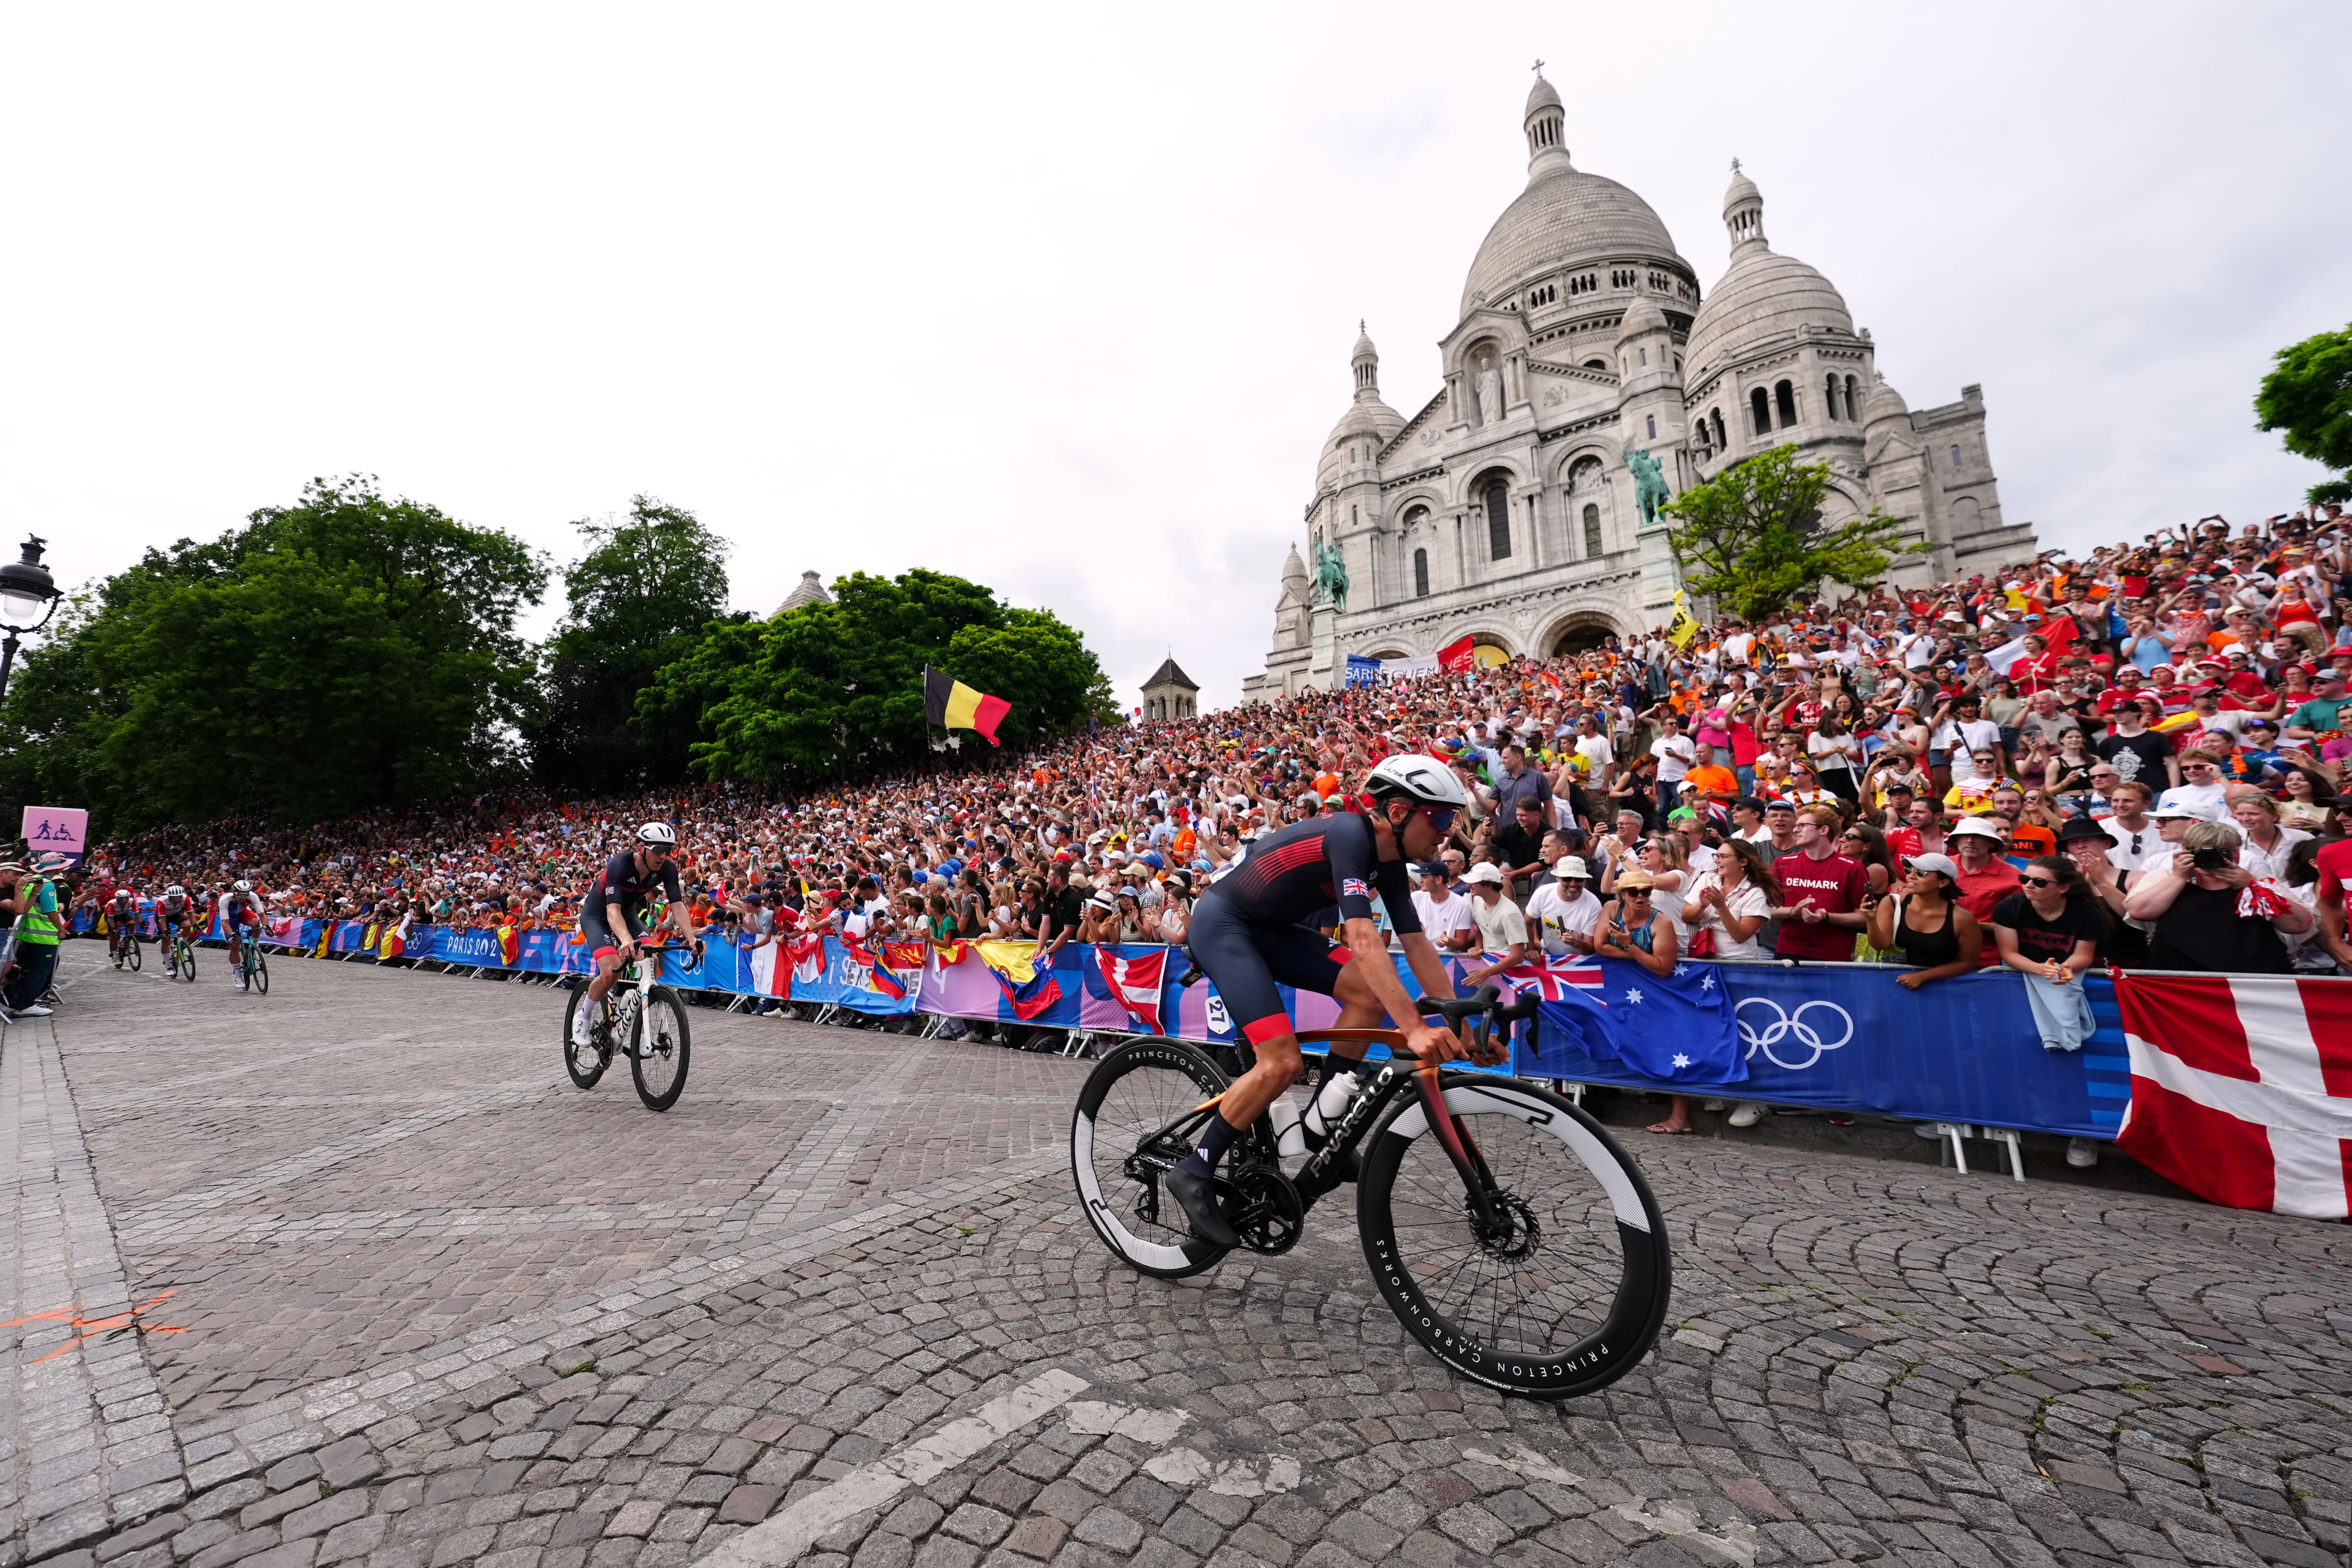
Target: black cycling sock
[[1335, 1064], [1202, 1160]]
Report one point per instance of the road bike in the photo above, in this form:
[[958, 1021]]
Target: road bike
[[124, 941], [1506, 1228], [649, 1018], [182, 955], [252, 964]]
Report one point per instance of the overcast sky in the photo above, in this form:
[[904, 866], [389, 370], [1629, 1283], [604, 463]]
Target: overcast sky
[[1062, 300]]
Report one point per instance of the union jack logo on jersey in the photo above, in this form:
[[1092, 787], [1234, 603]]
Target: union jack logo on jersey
[[1354, 888]]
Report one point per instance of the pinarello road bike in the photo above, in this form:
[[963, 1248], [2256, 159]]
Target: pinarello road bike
[[1506, 1228], [124, 941], [646, 1019]]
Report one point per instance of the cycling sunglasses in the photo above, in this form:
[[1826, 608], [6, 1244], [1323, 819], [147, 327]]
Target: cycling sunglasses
[[1441, 820]]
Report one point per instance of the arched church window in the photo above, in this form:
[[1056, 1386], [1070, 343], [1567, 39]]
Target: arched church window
[[1421, 573], [1787, 397], [1852, 407], [1828, 399], [1722, 437], [1760, 407], [1591, 530], [1498, 521], [1956, 458], [1654, 426], [1596, 365]]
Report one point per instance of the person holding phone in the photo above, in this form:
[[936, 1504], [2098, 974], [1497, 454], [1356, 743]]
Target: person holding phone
[[2202, 919]]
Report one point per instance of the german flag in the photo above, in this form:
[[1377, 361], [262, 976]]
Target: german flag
[[951, 705]]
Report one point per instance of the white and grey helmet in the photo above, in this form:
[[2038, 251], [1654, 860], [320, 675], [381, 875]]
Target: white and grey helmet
[[1421, 780], [658, 833]]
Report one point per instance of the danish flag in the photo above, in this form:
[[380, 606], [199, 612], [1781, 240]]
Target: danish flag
[[2241, 1087], [1135, 983]]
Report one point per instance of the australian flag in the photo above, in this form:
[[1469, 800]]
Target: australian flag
[[1674, 1029]]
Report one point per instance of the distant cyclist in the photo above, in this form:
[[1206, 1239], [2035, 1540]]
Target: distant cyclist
[[173, 911], [609, 910], [122, 917], [1248, 936], [240, 912]]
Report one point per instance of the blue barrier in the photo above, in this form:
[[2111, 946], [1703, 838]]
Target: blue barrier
[[1842, 1038], [1848, 1037]]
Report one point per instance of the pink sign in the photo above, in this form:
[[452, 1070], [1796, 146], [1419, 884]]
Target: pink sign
[[59, 830]]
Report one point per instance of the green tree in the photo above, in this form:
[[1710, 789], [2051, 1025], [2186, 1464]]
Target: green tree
[[838, 688], [2309, 397], [341, 652], [636, 601], [1750, 538]]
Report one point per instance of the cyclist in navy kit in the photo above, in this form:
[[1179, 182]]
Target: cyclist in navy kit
[[1245, 937], [608, 913]]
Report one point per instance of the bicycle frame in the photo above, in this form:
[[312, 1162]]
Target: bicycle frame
[[1315, 1177]]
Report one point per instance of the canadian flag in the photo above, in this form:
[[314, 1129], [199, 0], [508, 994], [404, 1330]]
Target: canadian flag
[[1135, 983], [2241, 1087]]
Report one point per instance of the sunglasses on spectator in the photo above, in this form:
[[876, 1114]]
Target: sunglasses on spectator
[[2037, 881]]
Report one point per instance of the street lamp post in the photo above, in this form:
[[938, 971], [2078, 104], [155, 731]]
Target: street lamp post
[[28, 598]]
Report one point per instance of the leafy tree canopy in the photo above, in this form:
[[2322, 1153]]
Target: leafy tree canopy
[[2309, 398], [1750, 539], [635, 602], [343, 651], [829, 689]]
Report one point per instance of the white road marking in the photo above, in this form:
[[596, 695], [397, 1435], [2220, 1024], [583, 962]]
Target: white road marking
[[783, 1538], [1737, 1545], [1525, 1461], [1101, 1418], [1229, 1478]]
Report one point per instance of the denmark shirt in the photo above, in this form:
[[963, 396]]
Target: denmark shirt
[[1835, 885]]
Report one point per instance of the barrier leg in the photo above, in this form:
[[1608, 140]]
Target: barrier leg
[[1953, 1134], [2016, 1154]]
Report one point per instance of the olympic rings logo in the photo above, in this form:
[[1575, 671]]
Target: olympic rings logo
[[1791, 1025]]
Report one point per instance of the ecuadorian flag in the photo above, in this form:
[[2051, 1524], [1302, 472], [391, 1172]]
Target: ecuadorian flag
[[951, 705]]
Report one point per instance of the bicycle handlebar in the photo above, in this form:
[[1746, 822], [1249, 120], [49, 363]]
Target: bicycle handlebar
[[1486, 999], [649, 948]]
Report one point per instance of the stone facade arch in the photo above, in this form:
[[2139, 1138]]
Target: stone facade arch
[[1596, 618]]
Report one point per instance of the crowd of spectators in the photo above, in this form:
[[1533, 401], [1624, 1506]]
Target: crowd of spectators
[[2131, 757]]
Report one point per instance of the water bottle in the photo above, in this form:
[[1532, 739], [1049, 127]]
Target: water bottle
[[1331, 1103], [1289, 1126]]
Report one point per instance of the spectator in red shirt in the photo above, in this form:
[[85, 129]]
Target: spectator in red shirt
[[1985, 878], [1824, 890]]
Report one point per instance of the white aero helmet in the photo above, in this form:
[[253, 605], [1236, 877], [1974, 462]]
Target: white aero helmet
[[1421, 780], [658, 833], [244, 887], [175, 891]]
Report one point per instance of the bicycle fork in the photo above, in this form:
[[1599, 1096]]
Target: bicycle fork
[[1487, 1217]]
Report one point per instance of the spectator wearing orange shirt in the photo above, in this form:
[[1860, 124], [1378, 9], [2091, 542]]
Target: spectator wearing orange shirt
[[1717, 784]]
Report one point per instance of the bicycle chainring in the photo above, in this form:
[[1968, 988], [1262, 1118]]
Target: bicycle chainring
[[1266, 1210], [1520, 1241]]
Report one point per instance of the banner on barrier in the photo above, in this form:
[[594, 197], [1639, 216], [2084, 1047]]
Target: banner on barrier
[[1852, 1038]]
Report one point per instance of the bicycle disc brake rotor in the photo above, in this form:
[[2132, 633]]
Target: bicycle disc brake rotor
[[1266, 1210], [1523, 1235]]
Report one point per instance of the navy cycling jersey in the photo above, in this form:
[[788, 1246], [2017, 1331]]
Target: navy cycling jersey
[[619, 880], [1311, 865]]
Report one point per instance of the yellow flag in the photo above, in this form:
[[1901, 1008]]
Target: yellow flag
[[1685, 627], [1011, 958]]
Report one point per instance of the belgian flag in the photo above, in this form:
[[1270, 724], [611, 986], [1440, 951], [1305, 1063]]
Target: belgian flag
[[951, 705]]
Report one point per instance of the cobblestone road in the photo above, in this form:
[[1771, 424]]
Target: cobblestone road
[[438, 1307]]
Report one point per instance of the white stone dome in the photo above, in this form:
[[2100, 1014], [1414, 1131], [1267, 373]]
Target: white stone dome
[[1764, 295], [1883, 402], [1564, 219], [1642, 316]]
